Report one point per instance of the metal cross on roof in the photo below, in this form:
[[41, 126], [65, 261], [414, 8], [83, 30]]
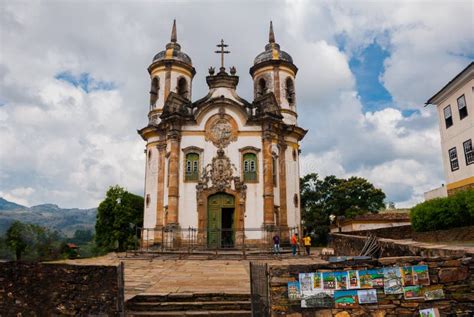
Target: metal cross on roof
[[222, 52]]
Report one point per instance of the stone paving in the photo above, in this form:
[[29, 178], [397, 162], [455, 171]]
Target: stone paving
[[163, 276]]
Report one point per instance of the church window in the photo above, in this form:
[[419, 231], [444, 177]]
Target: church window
[[290, 91], [262, 87], [250, 167], [296, 200], [192, 167], [182, 88], [154, 90], [448, 117], [468, 152], [453, 159], [462, 107], [147, 200], [294, 155], [149, 156], [275, 171]]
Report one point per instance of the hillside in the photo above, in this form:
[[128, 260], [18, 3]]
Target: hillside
[[48, 215]]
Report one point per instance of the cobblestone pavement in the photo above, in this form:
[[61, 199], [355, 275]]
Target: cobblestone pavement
[[163, 276]]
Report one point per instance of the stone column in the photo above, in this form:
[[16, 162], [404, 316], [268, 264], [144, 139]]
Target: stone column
[[167, 81], [276, 83], [268, 203], [173, 186], [160, 189], [283, 193]]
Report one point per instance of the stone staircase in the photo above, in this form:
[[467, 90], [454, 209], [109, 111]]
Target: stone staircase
[[181, 304]]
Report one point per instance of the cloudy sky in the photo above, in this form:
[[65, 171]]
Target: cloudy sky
[[74, 86]]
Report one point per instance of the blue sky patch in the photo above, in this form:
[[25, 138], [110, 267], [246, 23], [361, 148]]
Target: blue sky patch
[[85, 81]]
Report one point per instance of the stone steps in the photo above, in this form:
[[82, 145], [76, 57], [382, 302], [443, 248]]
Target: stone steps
[[185, 304]]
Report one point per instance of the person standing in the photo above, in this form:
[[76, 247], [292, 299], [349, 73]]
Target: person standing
[[307, 244], [294, 243], [276, 244]]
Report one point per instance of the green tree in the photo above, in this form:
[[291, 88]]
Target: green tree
[[16, 238], [117, 215], [336, 196]]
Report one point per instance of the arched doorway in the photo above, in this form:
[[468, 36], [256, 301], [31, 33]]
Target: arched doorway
[[221, 221]]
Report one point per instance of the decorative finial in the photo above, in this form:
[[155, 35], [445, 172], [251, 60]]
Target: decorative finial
[[271, 35], [233, 71], [222, 52], [174, 37]]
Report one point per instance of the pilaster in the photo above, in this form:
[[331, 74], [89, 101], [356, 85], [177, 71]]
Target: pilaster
[[283, 193], [174, 138], [268, 203], [160, 186]]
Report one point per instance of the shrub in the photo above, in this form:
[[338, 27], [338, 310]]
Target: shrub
[[444, 213]]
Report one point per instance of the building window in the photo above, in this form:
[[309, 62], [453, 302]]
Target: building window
[[182, 88], [295, 155], [468, 152], [290, 91], [147, 200], [262, 87], [149, 156], [250, 167], [275, 171], [453, 159], [448, 117], [462, 107], [192, 167], [295, 200], [154, 90]]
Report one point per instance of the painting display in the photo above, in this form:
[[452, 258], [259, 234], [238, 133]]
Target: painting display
[[421, 275], [346, 299], [392, 280], [367, 296], [341, 280], [329, 281], [306, 283], [294, 291], [319, 299], [407, 276], [354, 281], [430, 312], [317, 281], [433, 292], [412, 292]]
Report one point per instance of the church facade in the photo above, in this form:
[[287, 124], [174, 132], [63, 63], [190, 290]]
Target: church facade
[[221, 163]]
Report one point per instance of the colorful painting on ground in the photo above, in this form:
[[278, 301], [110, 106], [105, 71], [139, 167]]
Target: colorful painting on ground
[[306, 283], [346, 299], [421, 275], [317, 281], [430, 312], [433, 292], [354, 281], [294, 291], [341, 280], [367, 296], [407, 276], [329, 281], [412, 292], [392, 280], [320, 299]]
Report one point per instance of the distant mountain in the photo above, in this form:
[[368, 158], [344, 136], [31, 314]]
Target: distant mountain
[[47, 215]]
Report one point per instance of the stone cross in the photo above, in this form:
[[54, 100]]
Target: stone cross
[[222, 52]]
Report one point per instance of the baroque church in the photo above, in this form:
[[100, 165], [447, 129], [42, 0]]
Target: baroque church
[[221, 164]]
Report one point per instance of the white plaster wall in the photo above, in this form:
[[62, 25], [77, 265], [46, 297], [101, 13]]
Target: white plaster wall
[[149, 219], [292, 187], [460, 131]]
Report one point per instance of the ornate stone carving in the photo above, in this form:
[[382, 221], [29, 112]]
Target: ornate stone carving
[[221, 129]]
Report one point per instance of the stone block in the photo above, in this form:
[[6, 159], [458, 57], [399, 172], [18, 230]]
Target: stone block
[[448, 275]]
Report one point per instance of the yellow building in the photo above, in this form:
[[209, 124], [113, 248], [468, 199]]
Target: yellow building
[[226, 167], [455, 107]]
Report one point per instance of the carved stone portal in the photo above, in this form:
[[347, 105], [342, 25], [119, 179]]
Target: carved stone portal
[[221, 129]]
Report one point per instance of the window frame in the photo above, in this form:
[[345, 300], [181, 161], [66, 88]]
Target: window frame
[[246, 164], [463, 112], [468, 154], [453, 161], [450, 118], [192, 168]]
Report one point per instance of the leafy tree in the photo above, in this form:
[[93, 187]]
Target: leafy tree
[[117, 215], [16, 239], [82, 236], [336, 196]]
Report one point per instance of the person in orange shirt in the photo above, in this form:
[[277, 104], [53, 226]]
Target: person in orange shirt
[[294, 243]]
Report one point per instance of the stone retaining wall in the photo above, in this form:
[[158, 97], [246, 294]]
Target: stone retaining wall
[[39, 289], [455, 274], [344, 244]]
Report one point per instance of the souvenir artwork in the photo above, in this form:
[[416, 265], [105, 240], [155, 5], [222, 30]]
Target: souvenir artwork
[[317, 281], [354, 281], [392, 280], [421, 275], [294, 291], [365, 279], [321, 298], [329, 281], [407, 276], [346, 299], [412, 292], [430, 312], [367, 296], [306, 283], [341, 280], [377, 277], [433, 292]]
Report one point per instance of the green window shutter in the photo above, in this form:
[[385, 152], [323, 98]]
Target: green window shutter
[[250, 167], [192, 167]]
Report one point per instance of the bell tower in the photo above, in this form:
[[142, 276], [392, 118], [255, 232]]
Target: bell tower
[[170, 71], [274, 71]]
